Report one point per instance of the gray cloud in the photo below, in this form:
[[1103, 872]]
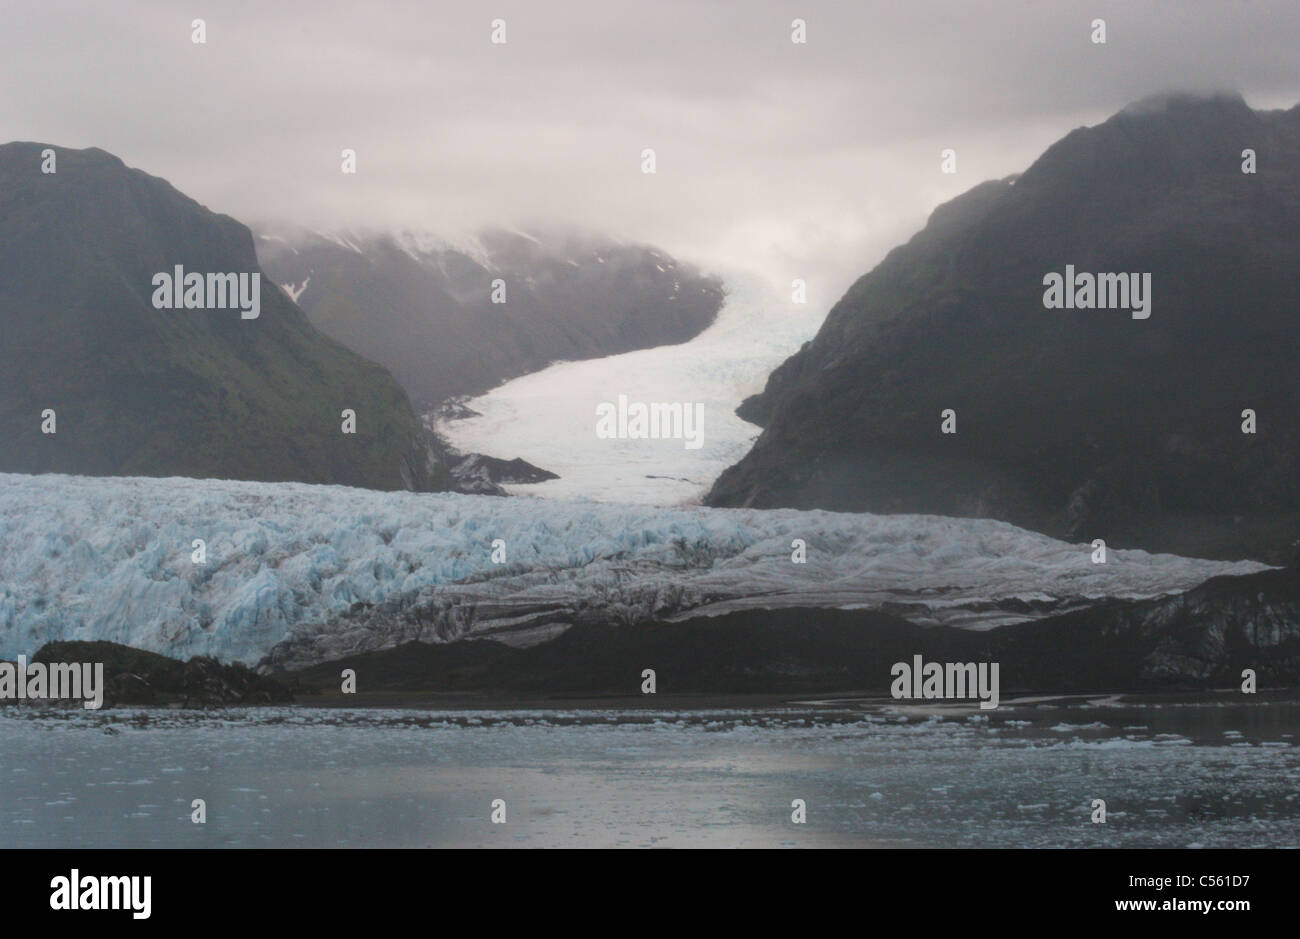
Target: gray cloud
[[807, 160]]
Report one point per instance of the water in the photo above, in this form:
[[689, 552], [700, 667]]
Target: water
[[1172, 775]]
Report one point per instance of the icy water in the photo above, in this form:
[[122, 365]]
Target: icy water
[[1211, 774]]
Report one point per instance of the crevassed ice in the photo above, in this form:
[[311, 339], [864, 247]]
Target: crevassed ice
[[110, 558]]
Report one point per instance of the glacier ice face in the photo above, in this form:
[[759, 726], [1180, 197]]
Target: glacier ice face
[[302, 573]]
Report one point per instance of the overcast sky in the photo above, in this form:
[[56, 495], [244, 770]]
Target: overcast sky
[[797, 160]]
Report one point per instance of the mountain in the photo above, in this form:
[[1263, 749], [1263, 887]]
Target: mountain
[[187, 392], [1081, 423], [424, 308]]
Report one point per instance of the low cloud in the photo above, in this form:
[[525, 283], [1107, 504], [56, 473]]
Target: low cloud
[[796, 160]]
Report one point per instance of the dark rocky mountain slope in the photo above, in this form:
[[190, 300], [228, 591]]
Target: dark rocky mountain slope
[[1081, 423], [424, 309], [193, 392]]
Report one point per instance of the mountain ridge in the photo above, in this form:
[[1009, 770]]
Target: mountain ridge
[[456, 317], [146, 391], [1077, 423]]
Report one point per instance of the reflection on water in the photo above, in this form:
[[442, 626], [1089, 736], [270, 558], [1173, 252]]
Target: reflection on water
[[1211, 774]]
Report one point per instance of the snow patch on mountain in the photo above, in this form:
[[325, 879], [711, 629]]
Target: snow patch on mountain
[[295, 293]]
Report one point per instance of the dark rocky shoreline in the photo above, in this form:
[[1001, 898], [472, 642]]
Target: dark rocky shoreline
[[137, 677], [1195, 641]]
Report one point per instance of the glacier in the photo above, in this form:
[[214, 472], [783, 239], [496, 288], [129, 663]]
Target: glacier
[[298, 573], [549, 417]]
